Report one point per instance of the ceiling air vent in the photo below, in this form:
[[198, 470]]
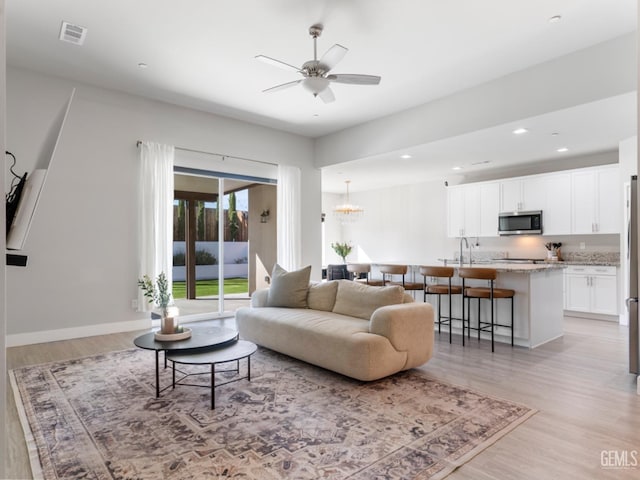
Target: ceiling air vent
[[72, 33]]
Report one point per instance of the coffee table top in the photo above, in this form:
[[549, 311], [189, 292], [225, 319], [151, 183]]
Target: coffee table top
[[200, 337], [235, 351]]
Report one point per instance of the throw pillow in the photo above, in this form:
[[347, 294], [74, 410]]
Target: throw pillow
[[360, 300], [322, 296], [289, 289]]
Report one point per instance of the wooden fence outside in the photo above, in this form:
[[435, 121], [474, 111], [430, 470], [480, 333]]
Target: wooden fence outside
[[210, 233]]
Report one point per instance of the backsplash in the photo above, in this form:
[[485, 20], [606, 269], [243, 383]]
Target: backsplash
[[587, 257], [591, 257]]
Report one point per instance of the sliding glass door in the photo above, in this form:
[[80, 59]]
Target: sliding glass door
[[211, 231]]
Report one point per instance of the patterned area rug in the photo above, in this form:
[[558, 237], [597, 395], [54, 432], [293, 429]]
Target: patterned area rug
[[97, 417]]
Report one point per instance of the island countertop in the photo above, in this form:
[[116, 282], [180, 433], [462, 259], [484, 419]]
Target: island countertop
[[516, 267]]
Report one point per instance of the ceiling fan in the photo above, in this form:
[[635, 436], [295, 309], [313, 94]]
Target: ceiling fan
[[316, 77]]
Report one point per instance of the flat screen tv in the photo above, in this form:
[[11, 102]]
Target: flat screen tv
[[13, 200]]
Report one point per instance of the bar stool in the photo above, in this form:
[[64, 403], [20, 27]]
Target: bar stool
[[357, 269], [488, 293], [440, 289], [392, 270]]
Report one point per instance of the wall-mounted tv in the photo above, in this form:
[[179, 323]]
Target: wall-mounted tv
[[22, 205]]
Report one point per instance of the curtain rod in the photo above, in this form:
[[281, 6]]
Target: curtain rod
[[218, 155]]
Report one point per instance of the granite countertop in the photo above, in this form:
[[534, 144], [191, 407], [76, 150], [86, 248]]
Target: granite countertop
[[602, 263], [507, 267]]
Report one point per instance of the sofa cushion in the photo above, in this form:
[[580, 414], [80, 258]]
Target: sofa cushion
[[359, 300], [322, 296], [289, 289]]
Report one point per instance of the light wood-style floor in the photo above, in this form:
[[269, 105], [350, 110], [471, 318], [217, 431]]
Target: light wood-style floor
[[586, 401]]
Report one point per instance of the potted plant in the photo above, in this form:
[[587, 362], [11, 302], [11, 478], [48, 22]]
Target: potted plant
[[158, 293], [342, 249]]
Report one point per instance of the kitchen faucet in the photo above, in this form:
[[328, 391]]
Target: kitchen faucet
[[461, 258]]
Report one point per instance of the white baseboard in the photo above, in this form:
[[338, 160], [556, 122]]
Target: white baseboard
[[20, 339]]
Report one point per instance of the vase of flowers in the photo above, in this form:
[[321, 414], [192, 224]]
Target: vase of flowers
[[158, 293], [342, 249]]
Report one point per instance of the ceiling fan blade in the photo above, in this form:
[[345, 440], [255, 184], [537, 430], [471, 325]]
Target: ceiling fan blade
[[276, 63], [354, 79], [283, 86], [327, 95], [331, 58]]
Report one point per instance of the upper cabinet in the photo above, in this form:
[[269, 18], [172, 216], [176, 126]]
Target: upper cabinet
[[464, 210], [596, 197], [489, 197], [556, 215], [523, 194], [473, 210], [579, 201]]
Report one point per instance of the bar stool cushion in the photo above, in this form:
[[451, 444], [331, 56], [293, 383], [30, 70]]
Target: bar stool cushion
[[439, 289], [484, 292]]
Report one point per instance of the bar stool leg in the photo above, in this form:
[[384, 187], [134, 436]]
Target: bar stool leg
[[512, 321], [450, 314], [492, 346], [479, 324], [439, 313], [463, 312]]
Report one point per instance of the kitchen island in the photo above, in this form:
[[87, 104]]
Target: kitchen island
[[538, 303]]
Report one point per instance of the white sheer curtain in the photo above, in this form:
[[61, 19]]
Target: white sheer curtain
[[289, 218], [156, 212]]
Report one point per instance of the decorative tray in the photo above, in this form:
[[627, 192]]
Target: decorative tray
[[172, 337]]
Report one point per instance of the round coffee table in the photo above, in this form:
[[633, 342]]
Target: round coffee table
[[202, 339], [229, 353]]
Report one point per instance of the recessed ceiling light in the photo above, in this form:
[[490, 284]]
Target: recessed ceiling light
[[456, 168], [520, 131], [562, 149], [555, 19], [142, 65], [405, 156], [555, 134]]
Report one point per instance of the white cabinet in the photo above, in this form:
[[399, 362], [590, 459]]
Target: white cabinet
[[489, 196], [556, 216], [583, 201], [463, 211], [591, 289], [596, 201], [523, 194], [473, 210]]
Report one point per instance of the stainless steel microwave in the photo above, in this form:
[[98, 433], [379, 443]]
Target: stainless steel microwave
[[520, 223]]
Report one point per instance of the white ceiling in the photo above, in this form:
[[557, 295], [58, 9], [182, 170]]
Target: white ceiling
[[200, 54]]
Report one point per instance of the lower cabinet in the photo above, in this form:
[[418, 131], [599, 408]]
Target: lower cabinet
[[591, 289]]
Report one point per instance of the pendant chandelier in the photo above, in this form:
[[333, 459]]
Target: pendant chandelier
[[346, 212]]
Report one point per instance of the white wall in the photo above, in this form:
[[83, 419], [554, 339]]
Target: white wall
[[400, 224], [71, 286]]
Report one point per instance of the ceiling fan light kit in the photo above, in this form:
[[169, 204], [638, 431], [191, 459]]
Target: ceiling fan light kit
[[316, 72]]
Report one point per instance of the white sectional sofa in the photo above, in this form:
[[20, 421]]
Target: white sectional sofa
[[357, 330]]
